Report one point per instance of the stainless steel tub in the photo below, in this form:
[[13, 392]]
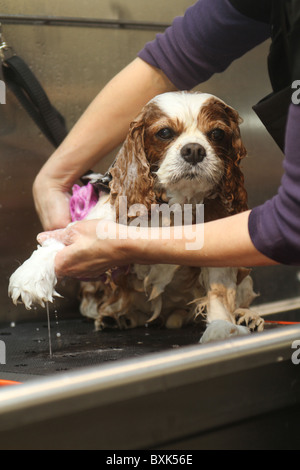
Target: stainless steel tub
[[238, 394]]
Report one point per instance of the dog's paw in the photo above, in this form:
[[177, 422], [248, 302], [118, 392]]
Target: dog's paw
[[250, 319], [177, 319], [220, 330], [34, 282], [129, 321]]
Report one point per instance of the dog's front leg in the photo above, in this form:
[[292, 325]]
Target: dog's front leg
[[221, 287], [34, 282]]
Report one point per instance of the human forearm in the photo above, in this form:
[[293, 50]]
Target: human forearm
[[226, 243], [102, 127], [93, 247], [105, 123]]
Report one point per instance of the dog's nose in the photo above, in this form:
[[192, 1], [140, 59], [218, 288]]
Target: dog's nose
[[193, 153]]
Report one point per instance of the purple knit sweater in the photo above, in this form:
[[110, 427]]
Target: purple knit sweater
[[210, 36]]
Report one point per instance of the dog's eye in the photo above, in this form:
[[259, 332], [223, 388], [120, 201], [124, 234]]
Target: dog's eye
[[166, 134], [217, 135]]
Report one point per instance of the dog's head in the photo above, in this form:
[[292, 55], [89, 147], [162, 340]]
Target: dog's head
[[187, 146]]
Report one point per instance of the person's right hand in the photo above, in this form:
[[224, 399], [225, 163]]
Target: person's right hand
[[52, 203]]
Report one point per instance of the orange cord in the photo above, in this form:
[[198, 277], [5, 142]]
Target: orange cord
[[5, 383], [282, 322]]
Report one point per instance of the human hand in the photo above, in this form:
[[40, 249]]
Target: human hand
[[87, 254], [52, 203]]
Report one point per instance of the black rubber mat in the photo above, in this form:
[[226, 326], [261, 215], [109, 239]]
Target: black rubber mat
[[75, 344]]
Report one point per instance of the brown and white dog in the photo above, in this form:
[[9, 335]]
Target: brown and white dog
[[183, 148]]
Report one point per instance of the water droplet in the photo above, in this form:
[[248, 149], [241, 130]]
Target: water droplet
[[49, 330]]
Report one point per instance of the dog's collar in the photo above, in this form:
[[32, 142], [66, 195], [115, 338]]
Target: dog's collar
[[99, 182]]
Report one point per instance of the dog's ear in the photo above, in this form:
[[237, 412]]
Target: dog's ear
[[233, 189], [131, 173]]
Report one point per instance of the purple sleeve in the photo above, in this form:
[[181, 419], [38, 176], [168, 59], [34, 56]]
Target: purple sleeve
[[275, 226], [210, 36]]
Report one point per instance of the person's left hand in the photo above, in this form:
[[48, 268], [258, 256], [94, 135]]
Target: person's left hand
[[91, 249]]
